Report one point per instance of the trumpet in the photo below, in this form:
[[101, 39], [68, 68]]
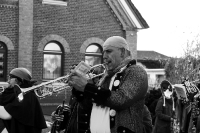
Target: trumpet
[[3, 86], [54, 86], [2, 89]]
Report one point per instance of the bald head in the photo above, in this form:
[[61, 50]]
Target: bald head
[[116, 41]]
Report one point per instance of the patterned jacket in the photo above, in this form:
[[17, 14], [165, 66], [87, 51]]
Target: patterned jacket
[[126, 98]]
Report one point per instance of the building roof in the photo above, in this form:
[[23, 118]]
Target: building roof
[[150, 55], [127, 14], [124, 11], [137, 14]]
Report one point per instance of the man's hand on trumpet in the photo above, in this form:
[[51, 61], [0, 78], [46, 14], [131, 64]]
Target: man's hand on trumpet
[[57, 117], [78, 81]]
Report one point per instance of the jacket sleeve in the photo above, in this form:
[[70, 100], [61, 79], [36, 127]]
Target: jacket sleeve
[[133, 88], [96, 95], [159, 111]]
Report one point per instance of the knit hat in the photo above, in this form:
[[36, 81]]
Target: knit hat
[[22, 73], [116, 41], [165, 84]]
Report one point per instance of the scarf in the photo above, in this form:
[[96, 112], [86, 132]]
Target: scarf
[[100, 116]]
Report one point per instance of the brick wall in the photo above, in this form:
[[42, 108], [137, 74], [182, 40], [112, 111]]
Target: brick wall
[[9, 29], [75, 23]]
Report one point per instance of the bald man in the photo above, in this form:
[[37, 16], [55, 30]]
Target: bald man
[[117, 101]]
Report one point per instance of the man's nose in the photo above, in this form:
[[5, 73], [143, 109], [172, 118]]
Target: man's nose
[[105, 59], [105, 56]]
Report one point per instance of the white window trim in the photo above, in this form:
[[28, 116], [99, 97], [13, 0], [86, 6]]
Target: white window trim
[[54, 2]]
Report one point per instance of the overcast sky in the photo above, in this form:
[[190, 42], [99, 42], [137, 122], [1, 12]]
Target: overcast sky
[[172, 24]]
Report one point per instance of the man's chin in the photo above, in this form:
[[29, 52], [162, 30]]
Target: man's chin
[[110, 67]]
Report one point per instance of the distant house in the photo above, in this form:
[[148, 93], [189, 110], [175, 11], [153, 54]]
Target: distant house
[[153, 63]]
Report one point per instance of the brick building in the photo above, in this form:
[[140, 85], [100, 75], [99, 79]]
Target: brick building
[[47, 36]]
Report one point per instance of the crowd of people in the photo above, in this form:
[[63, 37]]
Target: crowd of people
[[117, 102], [172, 110]]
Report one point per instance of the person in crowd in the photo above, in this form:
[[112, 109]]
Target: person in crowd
[[188, 109], [115, 104], [24, 116], [165, 115], [151, 101], [60, 118]]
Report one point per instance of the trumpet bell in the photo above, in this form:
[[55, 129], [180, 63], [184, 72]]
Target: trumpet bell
[[3, 86], [1, 89]]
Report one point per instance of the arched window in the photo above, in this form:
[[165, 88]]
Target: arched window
[[3, 61], [93, 54], [52, 64]]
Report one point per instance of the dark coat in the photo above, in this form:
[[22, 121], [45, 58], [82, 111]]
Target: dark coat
[[163, 116], [183, 115], [80, 113], [27, 115]]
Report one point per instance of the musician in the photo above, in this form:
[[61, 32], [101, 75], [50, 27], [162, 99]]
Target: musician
[[116, 103], [164, 109], [60, 118], [25, 116]]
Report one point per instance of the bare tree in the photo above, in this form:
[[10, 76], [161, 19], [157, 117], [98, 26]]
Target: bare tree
[[186, 67]]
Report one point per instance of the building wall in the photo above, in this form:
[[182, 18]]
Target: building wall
[[25, 34], [9, 33], [74, 23], [33, 24]]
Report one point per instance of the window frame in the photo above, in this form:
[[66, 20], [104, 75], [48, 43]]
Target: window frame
[[5, 52], [93, 54], [51, 52]]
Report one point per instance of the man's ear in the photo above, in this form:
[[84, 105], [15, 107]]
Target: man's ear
[[123, 51]]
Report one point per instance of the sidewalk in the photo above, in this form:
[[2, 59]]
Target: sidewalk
[[47, 118]]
